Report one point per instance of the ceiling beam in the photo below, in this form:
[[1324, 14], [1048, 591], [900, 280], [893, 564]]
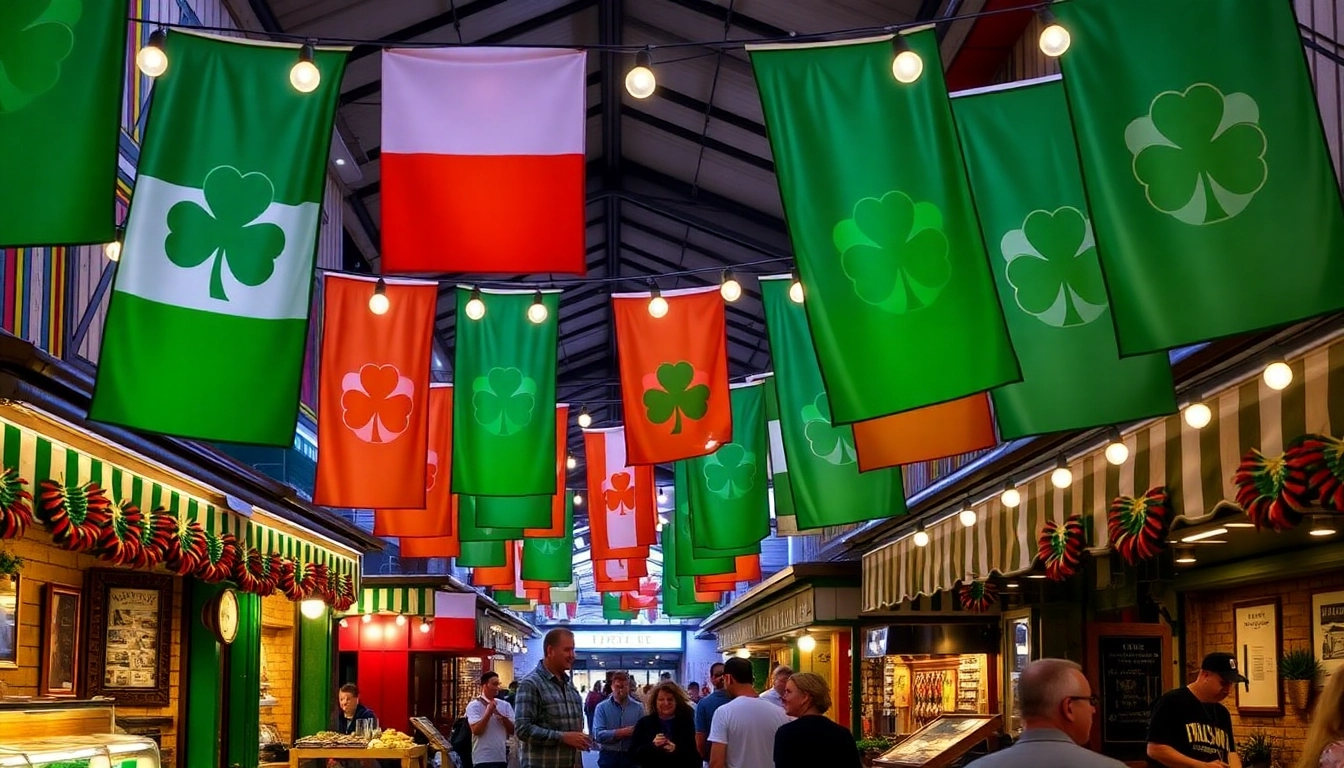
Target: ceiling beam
[[611, 19], [718, 113], [719, 12], [702, 197], [722, 147], [425, 27], [665, 237]]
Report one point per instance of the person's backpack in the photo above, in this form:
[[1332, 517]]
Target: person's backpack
[[460, 741]]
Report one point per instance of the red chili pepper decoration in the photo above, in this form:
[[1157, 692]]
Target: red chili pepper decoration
[[16, 505], [220, 553], [288, 581], [978, 596], [119, 539], [1138, 527], [74, 514], [1321, 459], [186, 547], [1272, 491], [156, 533], [1061, 548]]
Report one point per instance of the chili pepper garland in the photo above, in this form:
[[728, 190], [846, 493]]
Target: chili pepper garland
[[186, 547], [119, 539], [16, 505], [1321, 459], [156, 531], [1138, 527], [220, 553], [978, 596], [1061, 548], [74, 514], [1272, 491]]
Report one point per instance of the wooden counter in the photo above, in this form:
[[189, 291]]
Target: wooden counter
[[415, 756]]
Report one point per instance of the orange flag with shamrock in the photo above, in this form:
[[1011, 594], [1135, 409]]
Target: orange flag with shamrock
[[436, 519], [622, 516], [674, 374], [373, 415]]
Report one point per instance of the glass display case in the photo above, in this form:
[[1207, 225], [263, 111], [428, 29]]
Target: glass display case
[[101, 751]]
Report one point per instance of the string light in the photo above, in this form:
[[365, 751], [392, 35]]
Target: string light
[[743, 653], [729, 288], [312, 608], [657, 304], [967, 516], [807, 644], [571, 462], [304, 75], [378, 303], [1010, 497], [578, 499], [1062, 477], [1055, 39], [366, 618], [1117, 452], [1198, 415], [475, 307], [921, 536], [424, 625], [639, 81], [537, 313], [907, 65], [585, 421], [1278, 375], [401, 619], [151, 60], [796, 288], [112, 248], [662, 495]]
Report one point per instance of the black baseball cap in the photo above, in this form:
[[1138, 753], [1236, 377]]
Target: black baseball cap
[[1224, 665]]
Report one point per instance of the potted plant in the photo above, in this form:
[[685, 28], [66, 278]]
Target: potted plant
[[9, 566], [872, 747], [1299, 669], [1257, 750]]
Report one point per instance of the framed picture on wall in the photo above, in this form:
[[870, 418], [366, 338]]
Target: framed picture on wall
[[9, 620], [1257, 644], [60, 641], [130, 627], [1327, 632]]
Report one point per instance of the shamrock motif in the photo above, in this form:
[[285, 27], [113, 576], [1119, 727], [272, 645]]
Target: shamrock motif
[[1053, 268], [730, 472], [431, 470], [376, 402], [676, 389], [894, 252], [1200, 155], [621, 495], [36, 37], [227, 231], [548, 546], [832, 444], [503, 400]]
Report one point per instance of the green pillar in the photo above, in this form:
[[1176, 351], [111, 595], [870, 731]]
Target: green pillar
[[244, 687], [199, 735], [312, 674], [856, 681]]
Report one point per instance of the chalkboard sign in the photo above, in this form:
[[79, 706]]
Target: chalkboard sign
[[427, 728], [1130, 671]]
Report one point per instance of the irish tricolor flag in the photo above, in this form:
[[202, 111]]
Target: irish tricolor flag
[[483, 160]]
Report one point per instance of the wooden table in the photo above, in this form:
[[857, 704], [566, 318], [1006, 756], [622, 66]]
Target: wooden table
[[415, 756]]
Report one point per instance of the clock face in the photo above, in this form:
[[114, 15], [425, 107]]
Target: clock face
[[227, 617]]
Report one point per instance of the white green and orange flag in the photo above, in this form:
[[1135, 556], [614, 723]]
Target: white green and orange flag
[[622, 515]]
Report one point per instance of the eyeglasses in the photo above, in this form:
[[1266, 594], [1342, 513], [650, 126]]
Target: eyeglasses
[[1089, 699]]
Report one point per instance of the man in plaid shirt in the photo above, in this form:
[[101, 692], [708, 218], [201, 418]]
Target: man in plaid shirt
[[548, 712]]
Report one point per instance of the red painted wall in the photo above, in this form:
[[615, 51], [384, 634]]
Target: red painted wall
[[384, 670]]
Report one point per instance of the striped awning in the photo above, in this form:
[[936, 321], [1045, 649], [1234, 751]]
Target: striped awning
[[408, 601], [1197, 466]]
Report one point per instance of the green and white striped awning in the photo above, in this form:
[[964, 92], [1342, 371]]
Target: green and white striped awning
[[1197, 466], [408, 601]]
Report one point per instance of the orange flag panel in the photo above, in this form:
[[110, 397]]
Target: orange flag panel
[[925, 434], [440, 512]]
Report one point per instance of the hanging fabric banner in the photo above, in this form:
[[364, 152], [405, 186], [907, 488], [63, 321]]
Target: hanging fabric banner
[[1035, 217], [430, 546], [469, 530], [781, 489], [436, 519], [622, 514], [678, 598], [454, 619], [483, 160], [729, 489], [828, 488], [690, 563], [217, 266], [612, 610], [64, 67], [899, 296], [499, 576], [532, 513], [561, 501], [674, 374], [503, 415], [373, 417], [552, 559], [481, 554], [619, 575], [1217, 210]]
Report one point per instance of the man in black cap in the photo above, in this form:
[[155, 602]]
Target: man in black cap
[[1189, 727]]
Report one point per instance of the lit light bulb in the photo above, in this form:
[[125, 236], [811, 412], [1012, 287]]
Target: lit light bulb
[[1054, 40], [1011, 498], [921, 537], [743, 653], [537, 313], [578, 499], [151, 60], [796, 290], [807, 643], [571, 462], [968, 517], [475, 307], [662, 496], [366, 618], [112, 250], [907, 67], [1061, 478], [401, 620], [657, 305], [1198, 415], [312, 608], [1117, 453], [639, 81], [585, 421], [729, 288], [424, 626], [344, 623], [304, 75], [378, 303], [1278, 376]]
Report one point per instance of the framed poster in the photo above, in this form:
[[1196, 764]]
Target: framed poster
[[1257, 644], [60, 641], [130, 618], [1327, 632], [9, 620]]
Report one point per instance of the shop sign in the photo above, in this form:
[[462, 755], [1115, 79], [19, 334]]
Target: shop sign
[[585, 640], [1131, 679], [875, 646], [497, 638], [793, 612]]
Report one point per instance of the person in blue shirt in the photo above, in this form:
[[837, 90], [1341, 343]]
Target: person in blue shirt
[[614, 724], [704, 709], [351, 711]]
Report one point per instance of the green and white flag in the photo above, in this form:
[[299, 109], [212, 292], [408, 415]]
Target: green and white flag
[[781, 490], [469, 528], [551, 559], [678, 589], [1216, 209], [504, 410], [208, 317], [1035, 218], [899, 295], [62, 65], [689, 562], [828, 488], [729, 489]]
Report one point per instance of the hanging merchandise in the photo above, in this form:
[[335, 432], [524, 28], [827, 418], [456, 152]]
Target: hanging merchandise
[[1271, 491], [373, 416], [562, 500], [612, 610], [895, 278], [623, 516], [1137, 527], [186, 542], [1060, 548], [217, 266], [781, 487], [674, 373], [679, 598], [619, 575], [503, 415], [16, 504], [729, 499], [688, 564], [1320, 458], [436, 517], [482, 164], [1199, 160], [978, 596], [828, 488], [64, 66], [1035, 218], [552, 559], [75, 514]]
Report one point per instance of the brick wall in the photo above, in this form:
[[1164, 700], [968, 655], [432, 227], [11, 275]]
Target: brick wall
[[278, 653], [45, 564], [1208, 628]]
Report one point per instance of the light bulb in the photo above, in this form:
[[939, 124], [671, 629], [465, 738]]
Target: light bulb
[[807, 643], [1117, 453], [151, 60], [730, 289], [1011, 498], [907, 67], [921, 538], [304, 75], [312, 608], [401, 620], [658, 306], [639, 81], [537, 313], [743, 653], [1278, 375], [1061, 478], [662, 496], [585, 421], [968, 517], [378, 303], [344, 623], [571, 462], [1198, 415], [578, 499], [1054, 40], [424, 626], [366, 618], [475, 307], [112, 250], [796, 291]]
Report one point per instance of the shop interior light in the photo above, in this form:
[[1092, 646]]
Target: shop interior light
[[1202, 535], [743, 653], [1010, 497], [1117, 452], [585, 421], [151, 60], [640, 81], [1278, 375], [366, 618], [344, 623], [475, 307], [425, 625], [1184, 554], [906, 65], [538, 313], [401, 619], [1011, 585], [1036, 576], [657, 304], [1062, 477], [796, 288], [921, 536], [571, 462], [304, 75], [1321, 525], [378, 303], [729, 288], [807, 643], [312, 608], [1198, 415], [1239, 525], [1055, 39]]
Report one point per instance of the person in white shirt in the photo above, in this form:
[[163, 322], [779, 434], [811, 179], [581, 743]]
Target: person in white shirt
[[491, 721], [742, 734], [776, 694]]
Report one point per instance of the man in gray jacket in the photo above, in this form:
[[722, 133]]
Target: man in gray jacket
[[1057, 710]]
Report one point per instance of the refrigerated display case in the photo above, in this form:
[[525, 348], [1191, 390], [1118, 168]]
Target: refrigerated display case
[[99, 751]]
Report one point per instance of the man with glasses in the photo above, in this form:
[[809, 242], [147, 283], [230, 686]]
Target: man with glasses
[[1190, 728], [705, 708], [1057, 711]]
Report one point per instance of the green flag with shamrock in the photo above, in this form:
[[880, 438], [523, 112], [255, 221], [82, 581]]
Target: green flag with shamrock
[[1216, 209], [729, 495], [483, 554], [514, 511], [781, 490], [469, 528], [1035, 218], [689, 562], [504, 409], [899, 296], [611, 608], [62, 65], [208, 317], [828, 488], [551, 559], [678, 588]]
